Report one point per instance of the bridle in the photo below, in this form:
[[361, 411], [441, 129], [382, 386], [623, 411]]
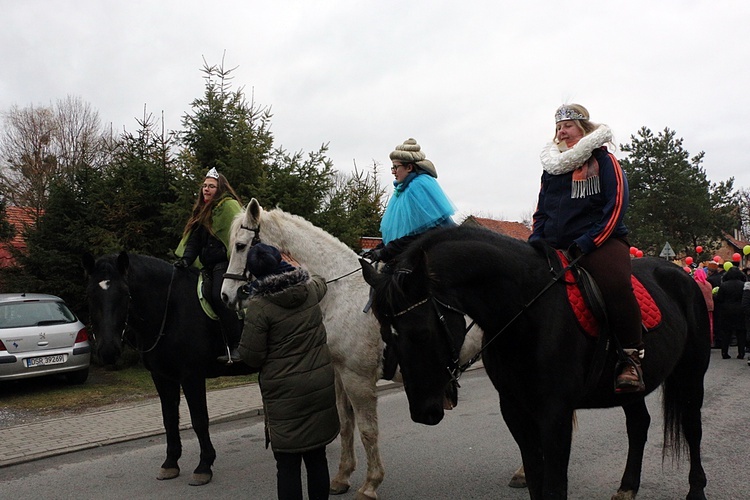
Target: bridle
[[455, 369], [255, 241]]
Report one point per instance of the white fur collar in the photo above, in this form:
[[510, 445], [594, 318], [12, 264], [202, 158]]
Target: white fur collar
[[556, 163]]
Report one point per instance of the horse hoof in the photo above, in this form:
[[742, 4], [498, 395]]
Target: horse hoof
[[518, 481], [338, 488], [200, 479], [370, 495], [624, 495], [168, 473]]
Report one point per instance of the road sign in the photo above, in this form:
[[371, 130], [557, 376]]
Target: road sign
[[667, 251]]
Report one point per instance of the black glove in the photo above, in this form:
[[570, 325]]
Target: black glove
[[180, 264], [373, 255], [574, 251]]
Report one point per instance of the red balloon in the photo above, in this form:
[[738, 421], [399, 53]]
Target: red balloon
[[639, 253], [698, 249], [717, 259], [633, 250], [688, 260], [686, 269], [736, 257]]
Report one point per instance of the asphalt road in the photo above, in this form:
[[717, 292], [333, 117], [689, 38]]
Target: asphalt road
[[470, 455]]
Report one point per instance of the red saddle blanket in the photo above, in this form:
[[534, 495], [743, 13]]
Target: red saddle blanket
[[650, 312]]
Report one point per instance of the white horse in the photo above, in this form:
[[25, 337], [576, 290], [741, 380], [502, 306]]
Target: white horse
[[353, 336]]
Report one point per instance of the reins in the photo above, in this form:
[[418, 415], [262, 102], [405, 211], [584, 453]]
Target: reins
[[455, 369], [255, 241], [163, 321]]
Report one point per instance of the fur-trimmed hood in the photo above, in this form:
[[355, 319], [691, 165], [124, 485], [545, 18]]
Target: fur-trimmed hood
[[281, 288]]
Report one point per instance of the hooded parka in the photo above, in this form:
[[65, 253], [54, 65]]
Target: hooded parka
[[284, 336]]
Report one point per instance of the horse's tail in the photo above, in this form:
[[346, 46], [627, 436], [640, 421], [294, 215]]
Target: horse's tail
[[683, 389]]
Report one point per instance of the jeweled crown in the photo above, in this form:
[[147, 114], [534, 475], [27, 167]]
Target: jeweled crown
[[565, 113]]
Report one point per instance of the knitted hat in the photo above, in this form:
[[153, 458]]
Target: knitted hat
[[263, 260], [411, 152]]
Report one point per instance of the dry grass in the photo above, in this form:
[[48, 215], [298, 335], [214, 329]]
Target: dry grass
[[45, 396]]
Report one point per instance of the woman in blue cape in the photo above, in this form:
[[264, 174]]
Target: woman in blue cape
[[418, 203]]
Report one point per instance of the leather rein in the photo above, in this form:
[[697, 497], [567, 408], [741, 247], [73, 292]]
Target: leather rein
[[455, 368]]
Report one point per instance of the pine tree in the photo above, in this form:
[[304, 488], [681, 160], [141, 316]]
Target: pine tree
[[671, 198]]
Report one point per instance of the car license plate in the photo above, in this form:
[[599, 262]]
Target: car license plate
[[45, 360]]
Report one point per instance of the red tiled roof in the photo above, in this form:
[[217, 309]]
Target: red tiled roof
[[20, 218], [509, 228]]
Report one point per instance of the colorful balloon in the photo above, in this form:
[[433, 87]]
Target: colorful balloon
[[699, 249], [728, 265], [746, 250], [686, 269], [639, 253], [717, 259], [736, 257], [688, 260], [633, 250]]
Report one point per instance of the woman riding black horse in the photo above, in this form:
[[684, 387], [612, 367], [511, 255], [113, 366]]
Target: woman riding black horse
[[582, 201]]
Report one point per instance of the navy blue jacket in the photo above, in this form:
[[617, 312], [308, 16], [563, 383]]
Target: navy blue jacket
[[561, 220]]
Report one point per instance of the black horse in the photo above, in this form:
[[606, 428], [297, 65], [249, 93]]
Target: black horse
[[154, 307], [539, 361]]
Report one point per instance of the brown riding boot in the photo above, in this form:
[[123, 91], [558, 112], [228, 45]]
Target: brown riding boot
[[630, 378]]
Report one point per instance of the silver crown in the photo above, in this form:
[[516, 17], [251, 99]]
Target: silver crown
[[213, 173], [565, 113]]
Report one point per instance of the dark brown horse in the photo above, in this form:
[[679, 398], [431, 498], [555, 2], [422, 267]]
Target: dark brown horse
[[535, 354]]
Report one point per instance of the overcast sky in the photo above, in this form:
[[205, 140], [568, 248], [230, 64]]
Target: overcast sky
[[476, 83]]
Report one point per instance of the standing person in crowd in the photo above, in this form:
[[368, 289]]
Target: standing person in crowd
[[729, 298], [714, 275], [285, 338], [418, 203], [582, 202], [745, 304], [205, 244], [700, 277]]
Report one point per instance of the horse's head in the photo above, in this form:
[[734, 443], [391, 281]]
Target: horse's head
[[245, 233], [425, 330], [108, 298]]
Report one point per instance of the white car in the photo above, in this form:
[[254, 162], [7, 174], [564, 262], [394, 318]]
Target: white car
[[39, 335]]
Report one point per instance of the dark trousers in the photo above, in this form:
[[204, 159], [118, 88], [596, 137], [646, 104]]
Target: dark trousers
[[726, 340], [231, 325], [289, 474], [610, 267]]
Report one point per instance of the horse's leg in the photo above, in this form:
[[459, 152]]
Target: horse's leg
[[348, 460], [195, 395], [361, 391], [637, 422], [555, 431], [693, 430], [526, 434], [169, 396]]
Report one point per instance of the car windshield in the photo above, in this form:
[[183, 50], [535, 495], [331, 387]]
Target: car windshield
[[34, 313]]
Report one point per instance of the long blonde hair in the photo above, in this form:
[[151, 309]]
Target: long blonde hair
[[202, 211]]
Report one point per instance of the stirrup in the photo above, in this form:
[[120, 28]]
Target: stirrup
[[230, 357]]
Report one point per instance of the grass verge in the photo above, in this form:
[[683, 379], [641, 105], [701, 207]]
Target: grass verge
[[44, 396]]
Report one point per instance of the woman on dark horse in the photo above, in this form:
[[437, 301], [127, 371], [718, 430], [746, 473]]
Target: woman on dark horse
[[418, 204], [582, 202], [205, 244]]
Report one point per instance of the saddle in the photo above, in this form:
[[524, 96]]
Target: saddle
[[583, 298]]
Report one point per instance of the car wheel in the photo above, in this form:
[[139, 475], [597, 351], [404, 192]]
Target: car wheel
[[77, 377]]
